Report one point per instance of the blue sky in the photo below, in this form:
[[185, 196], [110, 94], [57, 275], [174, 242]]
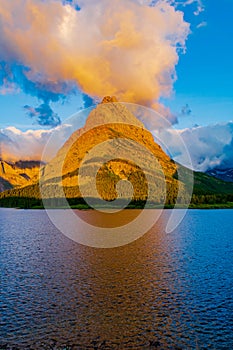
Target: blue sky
[[205, 72], [204, 76]]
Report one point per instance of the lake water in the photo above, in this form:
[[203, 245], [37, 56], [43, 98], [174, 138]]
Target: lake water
[[164, 291]]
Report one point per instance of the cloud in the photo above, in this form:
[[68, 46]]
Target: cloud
[[202, 25], [196, 5], [228, 152], [29, 145], [126, 48], [208, 146], [199, 6], [87, 101], [186, 110], [8, 87], [44, 115], [16, 145], [39, 86], [14, 78]]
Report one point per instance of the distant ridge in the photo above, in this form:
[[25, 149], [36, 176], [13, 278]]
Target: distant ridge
[[222, 174]]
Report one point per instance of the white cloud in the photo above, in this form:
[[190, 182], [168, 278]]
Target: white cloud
[[199, 4], [202, 25], [29, 145], [208, 146]]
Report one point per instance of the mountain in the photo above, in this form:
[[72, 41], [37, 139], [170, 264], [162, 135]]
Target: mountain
[[110, 121], [222, 174], [111, 129], [18, 174]]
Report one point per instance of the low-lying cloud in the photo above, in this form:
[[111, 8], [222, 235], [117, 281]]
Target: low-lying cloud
[[209, 146], [29, 145]]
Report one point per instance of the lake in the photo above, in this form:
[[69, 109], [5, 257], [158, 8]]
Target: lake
[[163, 291]]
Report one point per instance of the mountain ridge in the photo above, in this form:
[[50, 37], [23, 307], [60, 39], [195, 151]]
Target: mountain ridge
[[111, 124], [222, 174], [18, 174]]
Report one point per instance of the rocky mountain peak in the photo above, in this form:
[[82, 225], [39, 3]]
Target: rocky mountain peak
[[109, 112], [109, 99]]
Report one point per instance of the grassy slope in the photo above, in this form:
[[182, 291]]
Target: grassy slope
[[205, 184]]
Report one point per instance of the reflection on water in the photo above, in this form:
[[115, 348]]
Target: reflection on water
[[163, 291]]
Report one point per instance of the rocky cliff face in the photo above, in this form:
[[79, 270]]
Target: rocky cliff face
[[18, 174]]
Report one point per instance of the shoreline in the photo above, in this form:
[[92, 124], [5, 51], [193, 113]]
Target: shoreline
[[83, 207]]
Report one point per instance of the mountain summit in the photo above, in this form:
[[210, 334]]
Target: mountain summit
[[111, 111], [109, 99]]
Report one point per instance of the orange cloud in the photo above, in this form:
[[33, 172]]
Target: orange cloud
[[118, 47]]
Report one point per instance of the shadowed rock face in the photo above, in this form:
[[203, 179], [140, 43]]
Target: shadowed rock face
[[4, 185]]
